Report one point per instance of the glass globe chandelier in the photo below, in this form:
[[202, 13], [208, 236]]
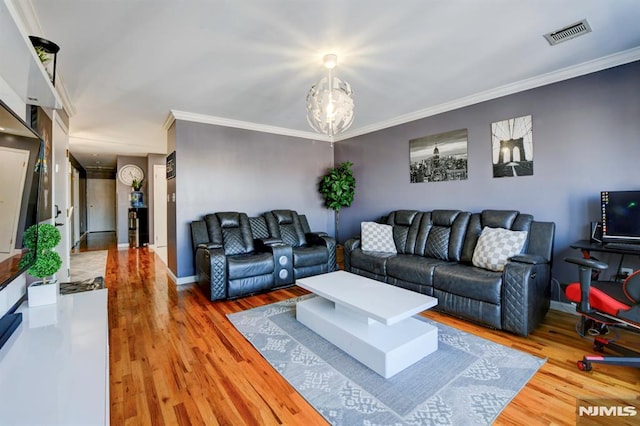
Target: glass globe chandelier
[[330, 102]]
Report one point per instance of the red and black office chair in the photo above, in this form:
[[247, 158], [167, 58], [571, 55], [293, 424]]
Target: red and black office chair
[[605, 306]]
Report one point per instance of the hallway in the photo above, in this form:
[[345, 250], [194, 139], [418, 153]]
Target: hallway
[[96, 241]]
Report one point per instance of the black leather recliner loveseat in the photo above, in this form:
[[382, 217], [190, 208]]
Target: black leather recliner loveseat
[[236, 255], [435, 256]]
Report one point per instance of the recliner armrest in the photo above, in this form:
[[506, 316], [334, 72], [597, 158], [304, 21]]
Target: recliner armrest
[[267, 244], [352, 243], [319, 239], [319, 234], [210, 246], [532, 259], [270, 241]]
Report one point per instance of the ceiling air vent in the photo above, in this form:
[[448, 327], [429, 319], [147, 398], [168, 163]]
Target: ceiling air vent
[[569, 32]]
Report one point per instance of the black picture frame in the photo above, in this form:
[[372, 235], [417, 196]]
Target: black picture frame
[[171, 166]]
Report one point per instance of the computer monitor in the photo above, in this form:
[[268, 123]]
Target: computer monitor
[[620, 212]]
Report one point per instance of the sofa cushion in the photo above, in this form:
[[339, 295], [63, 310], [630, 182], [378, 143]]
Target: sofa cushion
[[310, 256], [438, 243], [234, 242], [284, 217], [412, 268], [469, 282], [495, 246], [499, 218], [285, 224], [406, 224], [405, 217], [229, 219], [377, 237], [374, 262], [249, 265]]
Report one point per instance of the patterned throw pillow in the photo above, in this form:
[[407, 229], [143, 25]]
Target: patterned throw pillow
[[495, 246], [377, 237]]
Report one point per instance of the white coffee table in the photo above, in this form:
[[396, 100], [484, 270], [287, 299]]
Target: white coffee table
[[369, 320]]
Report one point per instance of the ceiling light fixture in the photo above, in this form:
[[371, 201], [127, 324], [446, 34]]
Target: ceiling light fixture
[[330, 102]]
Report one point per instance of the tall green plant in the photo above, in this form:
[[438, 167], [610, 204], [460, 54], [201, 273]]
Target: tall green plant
[[41, 240], [338, 188]]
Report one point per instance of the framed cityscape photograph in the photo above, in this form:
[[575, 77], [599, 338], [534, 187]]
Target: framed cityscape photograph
[[512, 147], [439, 157]]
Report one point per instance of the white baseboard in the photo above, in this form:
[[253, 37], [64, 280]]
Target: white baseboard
[[182, 280], [563, 307], [122, 246]]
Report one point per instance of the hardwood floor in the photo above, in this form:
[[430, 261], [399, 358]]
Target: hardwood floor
[[96, 241], [176, 359]]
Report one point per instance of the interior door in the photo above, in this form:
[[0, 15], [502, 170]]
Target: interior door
[[61, 189], [101, 199], [75, 204], [12, 176]]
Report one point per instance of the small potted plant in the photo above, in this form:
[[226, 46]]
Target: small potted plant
[[44, 261], [136, 195], [338, 188], [136, 184]]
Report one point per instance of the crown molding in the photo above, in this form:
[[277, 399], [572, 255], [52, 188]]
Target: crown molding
[[567, 73], [245, 125], [584, 68], [168, 121]]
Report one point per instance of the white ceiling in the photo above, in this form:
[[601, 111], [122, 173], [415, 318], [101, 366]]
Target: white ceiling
[[126, 64]]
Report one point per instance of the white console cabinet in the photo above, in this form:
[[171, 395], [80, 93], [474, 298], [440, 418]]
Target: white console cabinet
[[54, 370]]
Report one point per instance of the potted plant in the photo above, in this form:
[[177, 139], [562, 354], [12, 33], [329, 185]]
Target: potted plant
[[136, 184], [338, 188], [136, 194], [42, 54], [41, 240]]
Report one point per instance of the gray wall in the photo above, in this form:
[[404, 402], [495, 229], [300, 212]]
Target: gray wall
[[172, 227], [122, 196], [227, 169], [586, 136]]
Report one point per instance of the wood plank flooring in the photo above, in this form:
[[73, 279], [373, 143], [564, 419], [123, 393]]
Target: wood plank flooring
[[176, 360]]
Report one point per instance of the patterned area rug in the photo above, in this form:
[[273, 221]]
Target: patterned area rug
[[88, 264], [467, 381]]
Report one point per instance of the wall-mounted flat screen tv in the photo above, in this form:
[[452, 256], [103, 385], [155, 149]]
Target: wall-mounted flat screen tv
[[20, 171], [620, 212]]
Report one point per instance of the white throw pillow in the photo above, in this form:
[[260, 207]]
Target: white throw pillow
[[495, 246], [377, 237]]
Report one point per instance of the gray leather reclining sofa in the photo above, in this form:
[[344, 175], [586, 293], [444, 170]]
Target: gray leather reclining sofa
[[236, 255], [434, 257]]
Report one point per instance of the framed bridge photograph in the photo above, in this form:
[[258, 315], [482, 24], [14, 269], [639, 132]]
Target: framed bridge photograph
[[512, 147]]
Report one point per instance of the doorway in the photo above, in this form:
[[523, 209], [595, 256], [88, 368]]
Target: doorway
[[101, 200], [12, 176], [160, 210], [75, 206]]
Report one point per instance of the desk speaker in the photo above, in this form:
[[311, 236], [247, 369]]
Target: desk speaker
[[596, 232]]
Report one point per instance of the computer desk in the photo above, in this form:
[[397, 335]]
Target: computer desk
[[587, 246]]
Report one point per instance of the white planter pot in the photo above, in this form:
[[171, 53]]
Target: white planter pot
[[39, 294]]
